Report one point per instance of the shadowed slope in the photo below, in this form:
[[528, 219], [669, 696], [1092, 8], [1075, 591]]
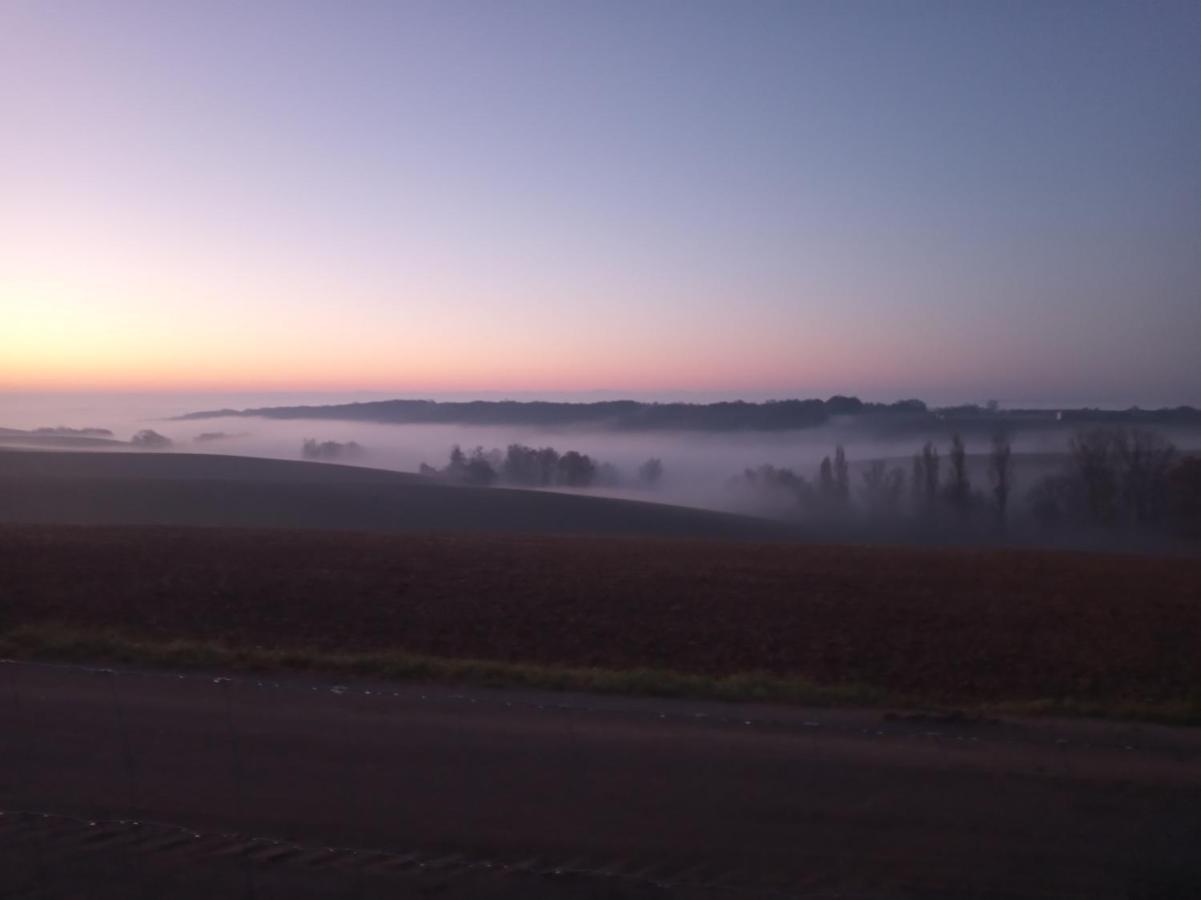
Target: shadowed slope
[[197, 489]]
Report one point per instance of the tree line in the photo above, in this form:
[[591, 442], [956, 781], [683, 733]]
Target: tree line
[[1117, 477], [327, 451], [523, 466], [632, 415], [902, 416], [887, 491], [1112, 477]]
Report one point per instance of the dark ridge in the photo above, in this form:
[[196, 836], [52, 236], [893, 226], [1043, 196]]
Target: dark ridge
[[773, 415], [622, 414]]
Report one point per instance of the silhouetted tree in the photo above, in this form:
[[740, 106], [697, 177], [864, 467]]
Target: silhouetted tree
[[576, 469], [146, 439], [650, 472], [548, 465], [773, 483], [456, 469], [516, 468], [838, 405], [480, 469], [521, 465], [328, 451]]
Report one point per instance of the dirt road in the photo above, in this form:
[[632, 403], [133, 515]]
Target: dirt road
[[200, 786]]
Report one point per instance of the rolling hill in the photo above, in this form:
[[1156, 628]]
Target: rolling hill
[[232, 491]]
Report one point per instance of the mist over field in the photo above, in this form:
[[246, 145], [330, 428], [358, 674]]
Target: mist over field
[[705, 469], [563, 450], [688, 457]]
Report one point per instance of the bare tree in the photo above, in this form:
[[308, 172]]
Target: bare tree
[[825, 483], [930, 478], [882, 489], [1094, 458], [917, 484], [959, 490], [842, 478], [1144, 460], [1185, 493], [1000, 474], [1115, 475]]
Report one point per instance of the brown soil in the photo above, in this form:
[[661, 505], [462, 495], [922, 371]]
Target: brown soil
[[962, 625]]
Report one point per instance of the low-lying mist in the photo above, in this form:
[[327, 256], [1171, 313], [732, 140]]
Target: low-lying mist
[[776, 473]]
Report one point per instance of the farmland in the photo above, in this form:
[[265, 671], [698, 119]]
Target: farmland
[[972, 627]]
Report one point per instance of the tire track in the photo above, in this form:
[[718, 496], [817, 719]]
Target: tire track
[[181, 845]]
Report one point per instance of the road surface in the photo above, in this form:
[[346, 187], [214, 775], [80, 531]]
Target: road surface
[[160, 785]]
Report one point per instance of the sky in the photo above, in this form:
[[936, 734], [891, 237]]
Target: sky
[[955, 201]]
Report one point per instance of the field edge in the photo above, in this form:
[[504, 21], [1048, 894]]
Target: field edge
[[57, 643]]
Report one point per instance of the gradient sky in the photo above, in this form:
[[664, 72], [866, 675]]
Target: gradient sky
[[948, 200]]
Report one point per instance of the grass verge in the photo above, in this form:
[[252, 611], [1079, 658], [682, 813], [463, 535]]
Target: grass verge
[[63, 644]]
